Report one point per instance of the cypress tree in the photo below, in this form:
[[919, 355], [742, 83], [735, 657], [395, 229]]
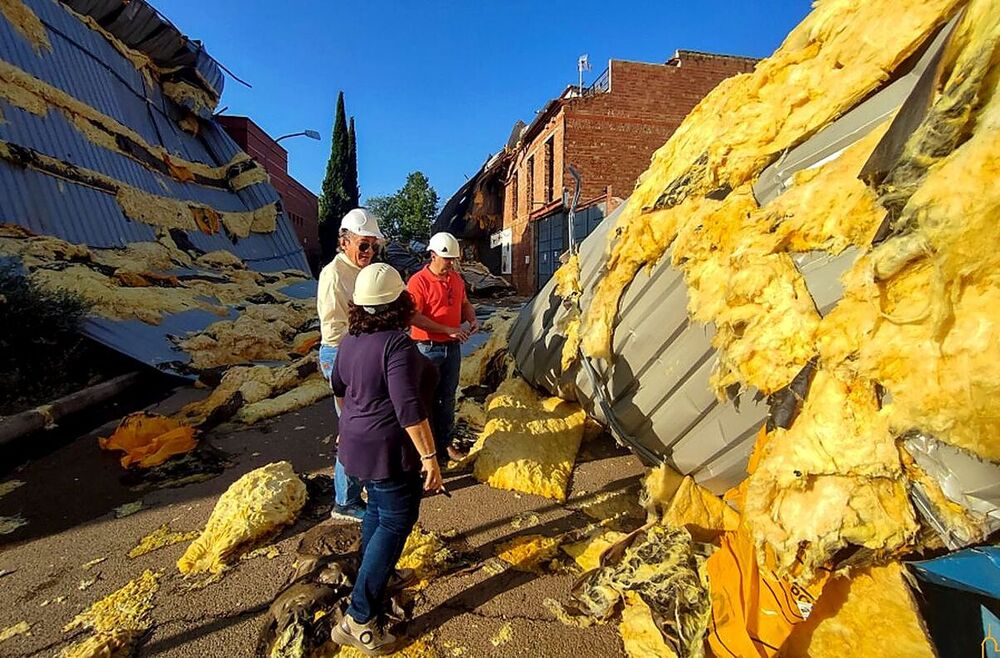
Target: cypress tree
[[353, 190], [335, 200]]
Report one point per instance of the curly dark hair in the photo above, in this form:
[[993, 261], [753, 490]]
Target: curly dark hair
[[395, 315]]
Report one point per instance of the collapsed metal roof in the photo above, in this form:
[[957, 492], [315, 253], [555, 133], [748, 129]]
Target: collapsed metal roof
[[103, 101]]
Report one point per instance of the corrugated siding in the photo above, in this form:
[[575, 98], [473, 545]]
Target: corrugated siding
[[83, 64], [658, 381]]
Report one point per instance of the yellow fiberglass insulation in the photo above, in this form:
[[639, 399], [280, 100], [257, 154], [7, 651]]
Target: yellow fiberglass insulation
[[27, 23], [426, 554], [917, 319], [640, 635], [475, 365], [117, 620], [312, 390], [660, 568], [824, 67], [529, 442], [831, 480], [529, 552], [568, 288], [162, 537], [870, 613], [261, 332], [587, 552], [252, 509]]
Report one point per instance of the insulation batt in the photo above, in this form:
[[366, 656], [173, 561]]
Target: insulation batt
[[640, 635], [474, 366], [872, 613], [529, 442], [255, 507]]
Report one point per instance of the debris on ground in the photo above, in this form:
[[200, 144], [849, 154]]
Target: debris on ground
[[502, 636], [426, 554], [128, 509], [9, 524], [531, 553], [311, 391], [8, 486], [162, 537], [640, 635], [87, 566], [254, 508], [117, 621], [148, 439], [587, 552], [20, 628], [529, 442]]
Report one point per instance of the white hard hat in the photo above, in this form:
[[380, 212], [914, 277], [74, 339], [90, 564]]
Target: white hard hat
[[362, 222], [378, 284], [444, 245]]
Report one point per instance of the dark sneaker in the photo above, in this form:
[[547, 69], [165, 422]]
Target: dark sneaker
[[341, 513], [369, 638]]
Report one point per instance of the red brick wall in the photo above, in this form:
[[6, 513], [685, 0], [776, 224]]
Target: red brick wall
[[609, 137], [301, 206]]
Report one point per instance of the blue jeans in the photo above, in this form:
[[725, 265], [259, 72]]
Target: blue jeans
[[393, 508], [448, 359], [346, 489]]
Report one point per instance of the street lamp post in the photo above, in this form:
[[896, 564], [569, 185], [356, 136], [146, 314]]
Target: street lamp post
[[311, 134]]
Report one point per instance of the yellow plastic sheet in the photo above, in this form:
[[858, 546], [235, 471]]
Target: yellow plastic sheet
[[149, 439], [753, 609]]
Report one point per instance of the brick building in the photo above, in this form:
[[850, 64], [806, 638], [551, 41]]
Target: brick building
[[608, 133], [300, 205]]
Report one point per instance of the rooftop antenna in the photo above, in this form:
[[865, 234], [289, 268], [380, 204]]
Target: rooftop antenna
[[582, 64]]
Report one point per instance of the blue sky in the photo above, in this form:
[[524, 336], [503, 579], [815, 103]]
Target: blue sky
[[435, 85]]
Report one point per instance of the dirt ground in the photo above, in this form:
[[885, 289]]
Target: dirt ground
[[68, 500]]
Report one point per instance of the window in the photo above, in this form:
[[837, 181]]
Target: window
[[550, 182], [531, 184], [513, 195]]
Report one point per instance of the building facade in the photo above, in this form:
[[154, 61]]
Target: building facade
[[608, 132], [300, 205]]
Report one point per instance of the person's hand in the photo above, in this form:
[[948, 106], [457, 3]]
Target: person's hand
[[459, 334], [473, 325], [432, 475]]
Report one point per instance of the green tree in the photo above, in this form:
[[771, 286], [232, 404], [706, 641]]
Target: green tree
[[352, 166], [335, 199], [407, 214]]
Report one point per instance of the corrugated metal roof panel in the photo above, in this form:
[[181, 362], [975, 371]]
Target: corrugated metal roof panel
[[83, 64]]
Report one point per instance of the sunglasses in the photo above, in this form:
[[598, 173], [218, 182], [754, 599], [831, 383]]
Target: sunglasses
[[364, 247]]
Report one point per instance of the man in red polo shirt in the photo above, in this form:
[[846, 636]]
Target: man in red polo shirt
[[438, 292]]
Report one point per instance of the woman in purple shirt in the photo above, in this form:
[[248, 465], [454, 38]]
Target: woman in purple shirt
[[382, 383]]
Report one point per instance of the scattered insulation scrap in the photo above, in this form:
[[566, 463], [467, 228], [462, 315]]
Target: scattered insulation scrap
[[128, 509], [917, 319], [118, 620], [568, 288], [312, 390], [149, 439], [587, 552], [9, 524], [9, 485], [253, 509], [20, 628], [529, 443], [661, 568], [533, 553], [161, 538], [263, 332], [26, 23], [426, 554]]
